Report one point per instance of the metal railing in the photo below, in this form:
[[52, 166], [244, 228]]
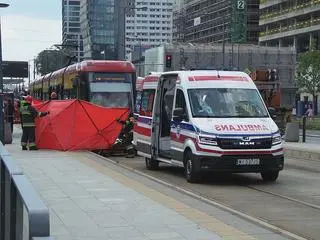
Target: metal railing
[[23, 214]]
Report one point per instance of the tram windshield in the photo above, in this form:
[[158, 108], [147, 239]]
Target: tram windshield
[[111, 89]]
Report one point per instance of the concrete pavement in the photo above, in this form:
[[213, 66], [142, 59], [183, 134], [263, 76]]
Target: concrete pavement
[[93, 200]]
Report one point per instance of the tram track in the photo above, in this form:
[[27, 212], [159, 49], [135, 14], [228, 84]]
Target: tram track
[[287, 198], [173, 178]]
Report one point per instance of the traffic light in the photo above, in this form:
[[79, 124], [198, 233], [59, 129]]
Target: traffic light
[[269, 75], [273, 75], [168, 61]]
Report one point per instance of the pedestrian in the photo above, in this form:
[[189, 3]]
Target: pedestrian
[[294, 110], [28, 116], [309, 113], [54, 96]]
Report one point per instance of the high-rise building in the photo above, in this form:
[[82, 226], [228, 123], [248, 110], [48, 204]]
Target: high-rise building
[[207, 21], [102, 28], [148, 24], [290, 23], [71, 34], [177, 5]]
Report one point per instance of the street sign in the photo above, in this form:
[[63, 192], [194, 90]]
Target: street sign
[[196, 21], [241, 4], [15, 69]]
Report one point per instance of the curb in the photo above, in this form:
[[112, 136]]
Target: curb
[[288, 165], [302, 154]]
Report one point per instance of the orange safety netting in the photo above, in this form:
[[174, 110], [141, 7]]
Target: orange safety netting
[[77, 125]]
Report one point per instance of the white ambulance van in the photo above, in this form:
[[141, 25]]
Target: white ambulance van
[[207, 121], [139, 84], [148, 82]]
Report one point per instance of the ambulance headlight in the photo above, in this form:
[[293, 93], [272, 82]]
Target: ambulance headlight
[[276, 140], [208, 140]]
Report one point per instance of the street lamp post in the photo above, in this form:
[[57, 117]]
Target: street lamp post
[[2, 5]]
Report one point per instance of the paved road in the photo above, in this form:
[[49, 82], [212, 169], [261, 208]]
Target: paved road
[[292, 203]]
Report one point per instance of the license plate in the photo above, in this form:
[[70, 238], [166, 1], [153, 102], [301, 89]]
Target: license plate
[[250, 161]]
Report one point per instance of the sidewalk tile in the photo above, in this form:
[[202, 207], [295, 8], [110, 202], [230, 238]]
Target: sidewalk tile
[[124, 233]]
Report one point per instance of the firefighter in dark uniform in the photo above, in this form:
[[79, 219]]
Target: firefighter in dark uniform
[[127, 135], [28, 115]]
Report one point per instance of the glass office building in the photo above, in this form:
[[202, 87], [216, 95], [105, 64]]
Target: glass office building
[[99, 28], [71, 36]]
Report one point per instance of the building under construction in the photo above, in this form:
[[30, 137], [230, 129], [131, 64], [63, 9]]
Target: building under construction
[[248, 58], [202, 21]]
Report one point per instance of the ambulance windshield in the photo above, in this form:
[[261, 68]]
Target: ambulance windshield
[[226, 103]]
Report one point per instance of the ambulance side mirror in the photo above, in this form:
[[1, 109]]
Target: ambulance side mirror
[[178, 114], [272, 112]]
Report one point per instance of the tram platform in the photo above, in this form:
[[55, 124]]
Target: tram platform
[[90, 198]]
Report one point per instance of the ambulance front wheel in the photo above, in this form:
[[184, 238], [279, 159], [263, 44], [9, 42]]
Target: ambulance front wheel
[[270, 176], [152, 164], [192, 173]]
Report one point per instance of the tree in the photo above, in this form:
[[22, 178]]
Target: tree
[[308, 73], [50, 60]]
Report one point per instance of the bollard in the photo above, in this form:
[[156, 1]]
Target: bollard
[[304, 120]]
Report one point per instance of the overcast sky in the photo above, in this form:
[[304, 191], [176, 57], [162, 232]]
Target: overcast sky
[[28, 27]]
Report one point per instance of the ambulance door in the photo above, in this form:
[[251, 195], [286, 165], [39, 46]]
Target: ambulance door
[[142, 136], [179, 127], [156, 118]]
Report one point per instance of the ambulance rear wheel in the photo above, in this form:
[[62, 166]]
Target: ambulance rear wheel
[[191, 173], [270, 176], [152, 164]]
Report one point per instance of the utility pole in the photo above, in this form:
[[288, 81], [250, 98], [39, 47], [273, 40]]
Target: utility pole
[[29, 74], [34, 69], [78, 48], [140, 56], [223, 41]]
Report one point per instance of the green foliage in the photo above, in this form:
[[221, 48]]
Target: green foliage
[[308, 72], [50, 60]]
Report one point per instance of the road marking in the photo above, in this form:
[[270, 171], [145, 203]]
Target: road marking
[[205, 220], [245, 216]]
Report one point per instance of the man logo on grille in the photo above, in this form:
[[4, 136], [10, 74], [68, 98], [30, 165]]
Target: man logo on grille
[[246, 138]]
